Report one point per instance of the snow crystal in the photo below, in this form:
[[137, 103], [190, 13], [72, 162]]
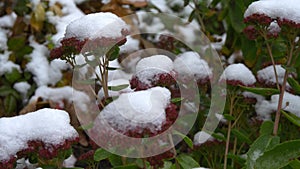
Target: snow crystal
[[70, 13], [44, 73], [267, 75], [142, 109], [190, 64], [6, 65], [116, 82], [288, 9], [80, 99], [47, 125], [290, 102], [96, 25], [148, 67], [202, 137], [238, 72]]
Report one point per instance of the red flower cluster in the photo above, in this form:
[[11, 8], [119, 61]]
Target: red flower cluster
[[157, 161], [163, 79], [288, 23], [260, 19], [251, 32], [166, 42], [46, 151]]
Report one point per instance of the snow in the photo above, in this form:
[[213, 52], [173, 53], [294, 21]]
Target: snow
[[131, 45], [202, 137], [274, 27], [96, 25], [288, 9], [190, 65], [70, 161], [290, 103], [267, 75], [238, 72], [44, 72], [148, 67], [6, 66], [47, 125], [141, 109], [70, 13], [116, 82], [58, 95], [8, 21], [22, 87]]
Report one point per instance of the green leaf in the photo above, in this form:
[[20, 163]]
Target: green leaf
[[87, 126], [241, 136], [279, 156], [101, 154], [113, 53], [176, 100], [291, 117], [13, 76], [289, 69], [258, 147], [295, 164], [186, 139], [186, 2], [21, 7], [186, 161], [112, 68], [46, 166], [236, 15], [237, 158], [115, 160], [229, 117], [192, 15], [5, 90], [10, 104], [167, 165], [128, 166], [294, 84], [266, 128], [87, 81], [249, 50], [261, 91], [118, 88]]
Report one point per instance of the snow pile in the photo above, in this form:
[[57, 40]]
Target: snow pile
[[201, 137], [238, 74], [96, 25], [58, 95], [264, 108], [288, 9], [47, 125], [267, 75], [7, 66], [115, 83], [44, 72], [138, 110], [131, 45], [6, 21], [190, 65], [147, 68]]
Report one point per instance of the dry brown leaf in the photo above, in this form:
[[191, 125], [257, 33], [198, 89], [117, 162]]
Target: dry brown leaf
[[135, 3]]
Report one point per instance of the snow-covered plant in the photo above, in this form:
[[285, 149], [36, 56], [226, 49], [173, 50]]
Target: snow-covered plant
[[41, 136], [96, 37]]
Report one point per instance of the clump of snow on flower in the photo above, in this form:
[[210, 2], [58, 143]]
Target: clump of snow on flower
[[131, 45], [47, 125], [141, 109], [238, 74], [44, 72], [58, 95], [116, 83], [267, 75], [288, 9], [202, 137], [96, 25], [290, 103], [147, 68], [70, 12], [190, 65]]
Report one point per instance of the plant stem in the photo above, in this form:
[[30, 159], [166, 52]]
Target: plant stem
[[280, 100], [228, 132]]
